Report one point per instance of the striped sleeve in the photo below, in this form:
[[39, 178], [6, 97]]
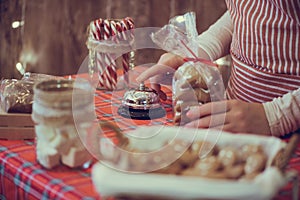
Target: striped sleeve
[[283, 113]]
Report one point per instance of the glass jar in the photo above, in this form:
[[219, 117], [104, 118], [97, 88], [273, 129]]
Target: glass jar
[[56, 104], [111, 54]]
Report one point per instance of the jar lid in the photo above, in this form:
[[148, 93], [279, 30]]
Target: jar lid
[[63, 93]]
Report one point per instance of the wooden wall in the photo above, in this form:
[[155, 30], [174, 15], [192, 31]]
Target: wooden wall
[[52, 39]]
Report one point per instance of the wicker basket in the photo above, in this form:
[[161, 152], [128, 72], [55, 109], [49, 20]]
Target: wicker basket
[[279, 161]]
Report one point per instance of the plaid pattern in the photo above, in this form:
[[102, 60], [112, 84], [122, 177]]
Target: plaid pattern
[[107, 104], [21, 177]]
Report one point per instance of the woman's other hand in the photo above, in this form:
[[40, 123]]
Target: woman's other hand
[[230, 115]]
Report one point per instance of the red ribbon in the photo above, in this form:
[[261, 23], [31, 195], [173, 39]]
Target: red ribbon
[[196, 59]]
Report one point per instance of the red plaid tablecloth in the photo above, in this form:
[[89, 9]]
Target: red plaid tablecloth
[[23, 178]]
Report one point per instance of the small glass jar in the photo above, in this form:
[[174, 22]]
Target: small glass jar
[[63, 111]]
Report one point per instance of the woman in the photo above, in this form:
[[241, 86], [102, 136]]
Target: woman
[[263, 93]]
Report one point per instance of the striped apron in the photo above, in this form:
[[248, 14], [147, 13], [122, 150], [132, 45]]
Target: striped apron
[[265, 49]]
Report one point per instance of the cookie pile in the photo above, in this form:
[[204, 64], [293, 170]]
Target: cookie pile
[[200, 159], [189, 89], [230, 163]]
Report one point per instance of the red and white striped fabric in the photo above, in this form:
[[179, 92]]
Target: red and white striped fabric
[[265, 49]]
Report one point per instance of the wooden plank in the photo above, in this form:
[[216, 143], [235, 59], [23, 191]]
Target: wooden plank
[[57, 45], [16, 120], [208, 12], [16, 126], [17, 133]]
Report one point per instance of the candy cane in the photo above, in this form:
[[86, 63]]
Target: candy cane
[[130, 24], [119, 30], [125, 61], [95, 33], [110, 70]]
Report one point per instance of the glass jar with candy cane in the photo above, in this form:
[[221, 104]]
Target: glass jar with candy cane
[[110, 43]]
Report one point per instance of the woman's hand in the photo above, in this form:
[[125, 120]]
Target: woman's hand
[[162, 72], [231, 115]]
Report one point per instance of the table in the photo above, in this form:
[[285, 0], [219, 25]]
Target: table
[[22, 177]]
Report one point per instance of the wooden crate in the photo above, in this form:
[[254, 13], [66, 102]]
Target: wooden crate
[[16, 126]]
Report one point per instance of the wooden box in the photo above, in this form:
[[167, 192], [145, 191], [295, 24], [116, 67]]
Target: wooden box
[[16, 126]]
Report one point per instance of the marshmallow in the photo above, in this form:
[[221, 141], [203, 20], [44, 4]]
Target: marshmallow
[[69, 131], [47, 156], [76, 157], [45, 133], [61, 142], [72, 137]]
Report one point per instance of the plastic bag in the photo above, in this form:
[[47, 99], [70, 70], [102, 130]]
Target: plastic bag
[[16, 96], [198, 80]]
